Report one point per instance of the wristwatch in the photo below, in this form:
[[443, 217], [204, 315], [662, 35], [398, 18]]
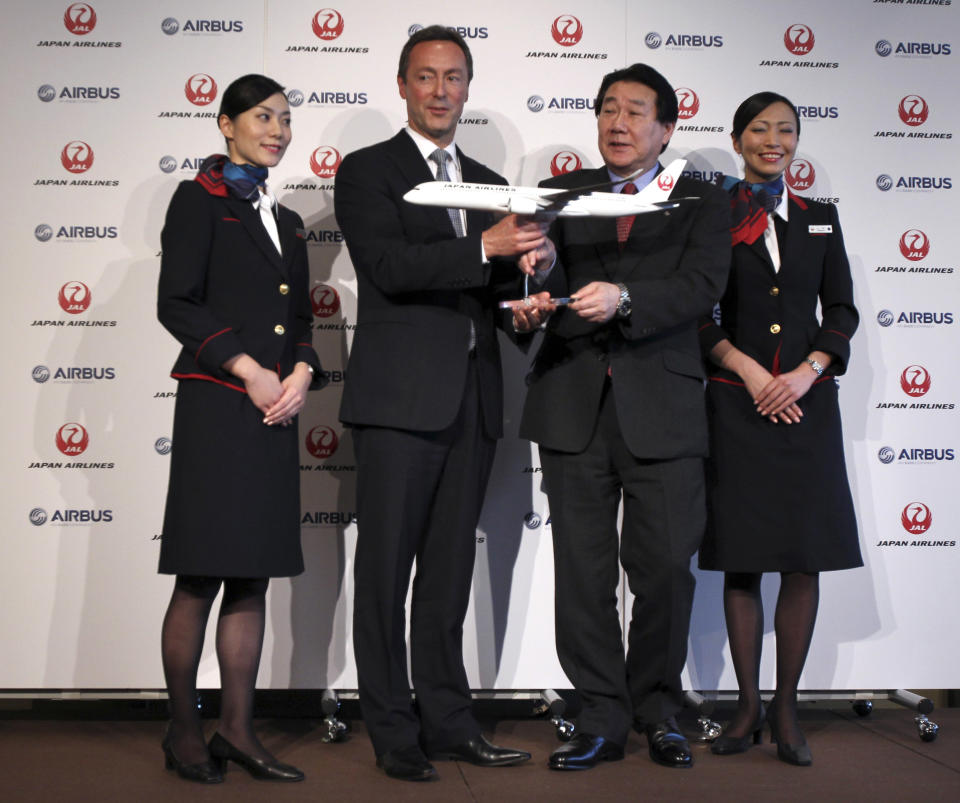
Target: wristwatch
[[815, 366], [624, 305]]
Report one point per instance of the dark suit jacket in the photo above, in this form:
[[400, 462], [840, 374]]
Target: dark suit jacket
[[813, 268], [419, 286], [224, 289], [675, 266]]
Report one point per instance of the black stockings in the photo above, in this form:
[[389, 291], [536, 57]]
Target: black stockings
[[794, 620], [743, 608], [239, 642]]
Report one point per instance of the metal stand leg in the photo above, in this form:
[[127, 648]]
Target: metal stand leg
[[707, 729], [926, 729], [553, 704], [334, 729]]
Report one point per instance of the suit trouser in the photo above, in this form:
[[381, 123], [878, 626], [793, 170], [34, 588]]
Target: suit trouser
[[663, 523], [419, 496]]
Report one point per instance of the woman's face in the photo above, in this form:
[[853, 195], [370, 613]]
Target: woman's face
[[768, 143], [260, 135]]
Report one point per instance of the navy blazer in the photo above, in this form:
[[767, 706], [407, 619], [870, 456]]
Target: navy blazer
[[418, 288], [674, 265], [772, 316], [224, 289]]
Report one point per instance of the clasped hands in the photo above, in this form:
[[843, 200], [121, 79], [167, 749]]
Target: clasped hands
[[775, 397], [279, 400]]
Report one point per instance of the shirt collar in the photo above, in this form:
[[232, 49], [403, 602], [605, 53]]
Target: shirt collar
[[639, 182], [426, 147], [265, 197], [781, 208]]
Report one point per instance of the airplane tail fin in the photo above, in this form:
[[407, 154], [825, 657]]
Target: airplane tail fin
[[663, 183]]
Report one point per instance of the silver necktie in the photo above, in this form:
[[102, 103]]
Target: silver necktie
[[440, 158]]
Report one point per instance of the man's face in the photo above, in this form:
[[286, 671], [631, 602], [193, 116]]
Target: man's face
[[628, 133], [435, 88]]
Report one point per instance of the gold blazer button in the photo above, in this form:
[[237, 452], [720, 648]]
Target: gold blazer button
[[775, 329], [284, 289], [774, 291], [280, 330]]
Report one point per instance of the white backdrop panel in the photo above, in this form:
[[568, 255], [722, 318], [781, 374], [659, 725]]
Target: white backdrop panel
[[79, 549]]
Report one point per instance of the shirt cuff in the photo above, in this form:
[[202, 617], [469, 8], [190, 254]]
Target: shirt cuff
[[540, 277]]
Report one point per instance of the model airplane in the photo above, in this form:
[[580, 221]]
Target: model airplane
[[543, 203]]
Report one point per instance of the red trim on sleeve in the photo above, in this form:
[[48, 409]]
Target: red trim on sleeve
[[308, 345], [834, 331], [208, 378], [232, 219], [204, 343], [727, 381], [706, 326], [743, 385]]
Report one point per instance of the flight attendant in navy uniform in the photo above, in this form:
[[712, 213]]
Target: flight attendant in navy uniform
[[234, 291], [778, 495]]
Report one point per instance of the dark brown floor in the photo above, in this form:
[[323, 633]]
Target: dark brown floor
[[879, 758]]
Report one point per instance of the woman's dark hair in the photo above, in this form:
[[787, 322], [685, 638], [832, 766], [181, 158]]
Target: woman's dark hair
[[755, 104], [245, 93], [667, 109], [434, 33]]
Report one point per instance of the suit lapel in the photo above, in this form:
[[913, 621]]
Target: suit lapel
[[250, 220], [759, 248], [601, 231], [797, 223], [477, 220], [645, 230], [414, 170], [288, 239]]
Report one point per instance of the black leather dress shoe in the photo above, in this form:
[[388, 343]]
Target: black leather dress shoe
[[480, 752], [406, 764], [222, 751], [584, 751], [204, 772], [668, 746]]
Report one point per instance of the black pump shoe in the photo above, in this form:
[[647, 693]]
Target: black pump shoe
[[729, 745], [796, 754], [222, 751], [204, 772]]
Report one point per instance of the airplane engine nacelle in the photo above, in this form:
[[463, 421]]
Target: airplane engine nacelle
[[522, 206]]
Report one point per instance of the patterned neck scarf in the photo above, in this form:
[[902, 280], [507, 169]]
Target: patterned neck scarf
[[749, 206], [219, 176]]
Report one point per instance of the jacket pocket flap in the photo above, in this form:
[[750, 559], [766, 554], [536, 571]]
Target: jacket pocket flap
[[680, 362]]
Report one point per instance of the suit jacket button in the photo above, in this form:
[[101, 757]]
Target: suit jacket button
[[775, 329], [774, 291], [278, 329], [284, 289]]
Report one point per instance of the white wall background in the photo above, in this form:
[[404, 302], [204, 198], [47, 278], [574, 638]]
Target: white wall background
[[82, 602]]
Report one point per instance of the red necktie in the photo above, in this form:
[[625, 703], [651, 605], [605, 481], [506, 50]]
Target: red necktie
[[624, 223]]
